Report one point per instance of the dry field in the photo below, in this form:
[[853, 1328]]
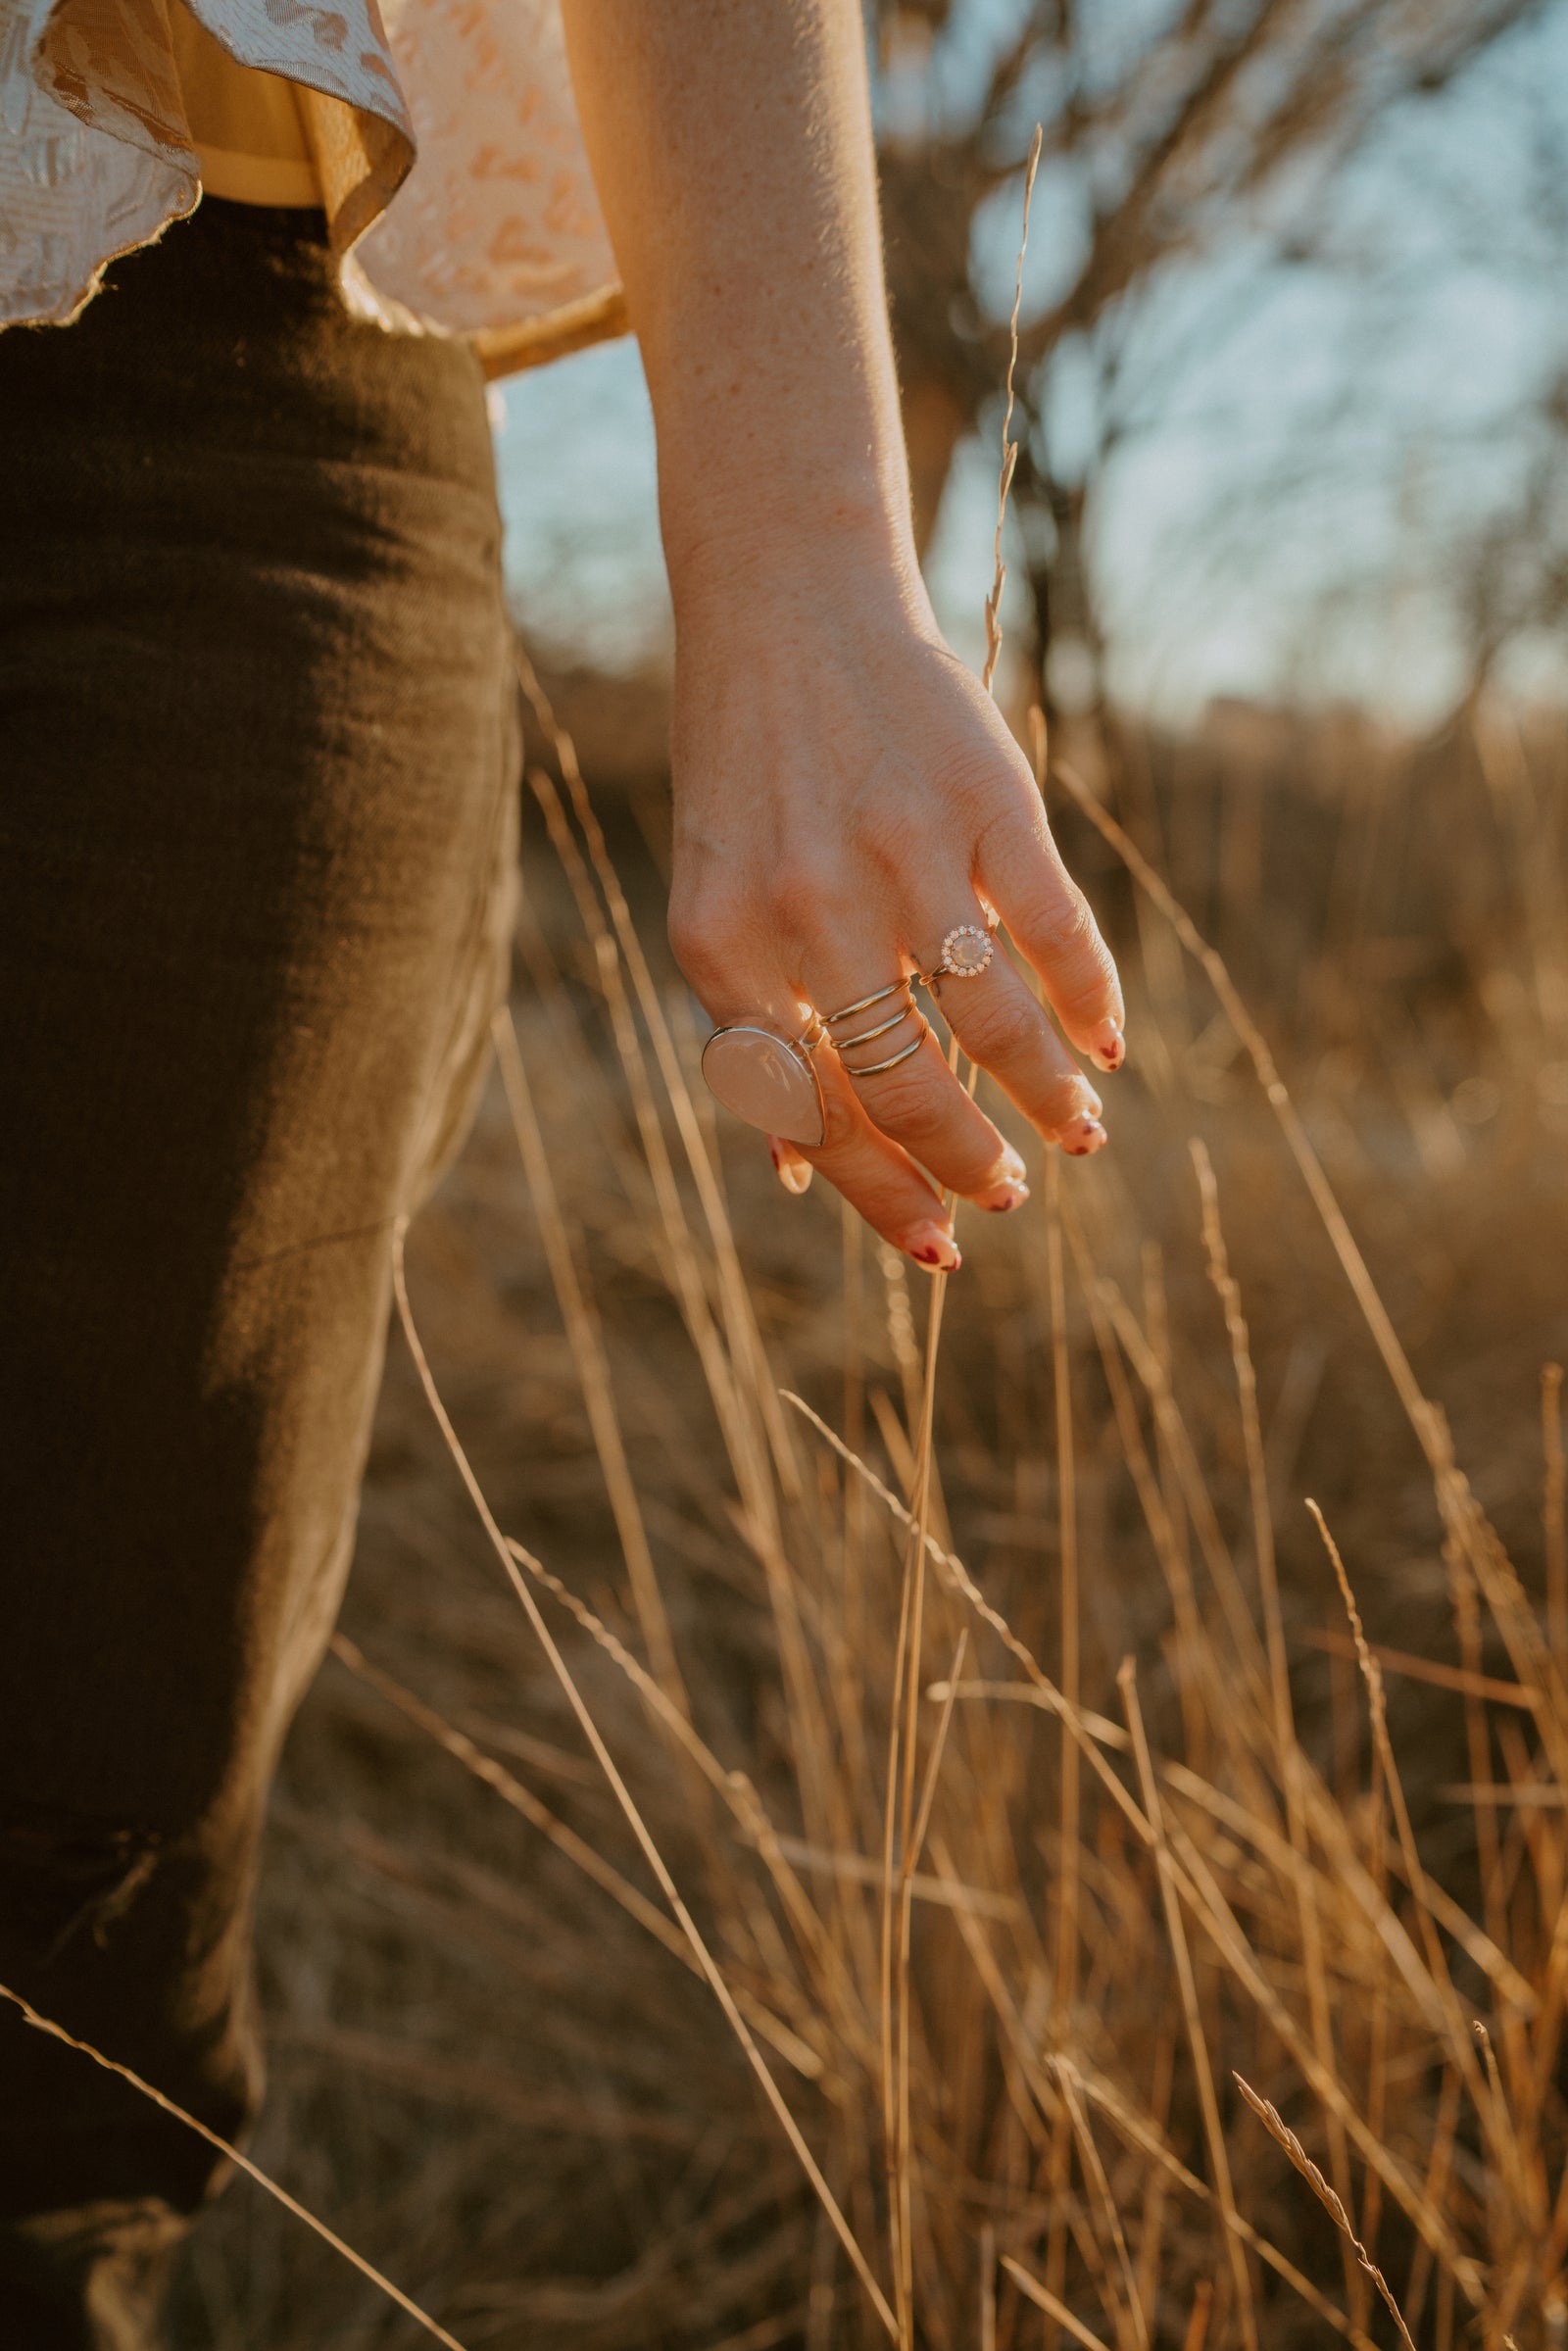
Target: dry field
[[1158, 1830]]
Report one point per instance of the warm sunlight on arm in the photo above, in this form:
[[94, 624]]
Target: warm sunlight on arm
[[731, 147], [848, 800]]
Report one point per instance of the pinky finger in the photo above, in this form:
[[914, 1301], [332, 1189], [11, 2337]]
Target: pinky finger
[[793, 1171]]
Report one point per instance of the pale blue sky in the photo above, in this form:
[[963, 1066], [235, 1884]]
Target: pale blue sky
[[1298, 445]]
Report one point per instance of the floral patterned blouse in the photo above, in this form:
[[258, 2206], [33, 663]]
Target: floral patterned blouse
[[445, 140]]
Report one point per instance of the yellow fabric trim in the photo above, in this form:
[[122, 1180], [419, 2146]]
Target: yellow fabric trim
[[246, 126], [360, 162], [237, 109], [259, 179], [505, 350]]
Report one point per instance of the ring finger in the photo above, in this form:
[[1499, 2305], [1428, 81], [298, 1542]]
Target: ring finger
[[898, 1075], [1000, 1024]]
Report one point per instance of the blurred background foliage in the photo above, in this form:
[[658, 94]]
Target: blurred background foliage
[[1296, 374]]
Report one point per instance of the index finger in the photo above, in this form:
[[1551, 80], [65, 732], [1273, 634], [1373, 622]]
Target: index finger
[[1019, 869]]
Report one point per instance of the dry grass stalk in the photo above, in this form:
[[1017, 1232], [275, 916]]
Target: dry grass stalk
[[1197, 1887], [1283, 2136], [1197, 2044], [1277, 1096], [1289, 1760], [1473, 1542], [587, 1347], [586, 1857], [1041, 2295], [628, 1806], [252, 2170], [1070, 1808], [1197, 2317], [1010, 448], [1554, 1522], [1492, 2111], [1104, 2203]]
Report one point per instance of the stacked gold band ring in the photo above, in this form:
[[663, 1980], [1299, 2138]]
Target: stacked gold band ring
[[769, 1081], [843, 1045]]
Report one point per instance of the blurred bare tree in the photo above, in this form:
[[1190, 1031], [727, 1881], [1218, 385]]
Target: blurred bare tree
[[1167, 127]]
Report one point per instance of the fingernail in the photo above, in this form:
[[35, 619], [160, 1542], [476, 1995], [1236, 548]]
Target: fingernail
[[1002, 1196], [1110, 1048], [933, 1246], [794, 1174], [1084, 1138]]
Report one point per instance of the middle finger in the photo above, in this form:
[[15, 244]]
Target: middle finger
[[998, 1021], [901, 1079]]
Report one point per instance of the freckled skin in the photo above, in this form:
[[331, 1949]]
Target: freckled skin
[[846, 794]]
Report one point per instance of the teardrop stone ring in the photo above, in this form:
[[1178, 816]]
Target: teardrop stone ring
[[769, 1081]]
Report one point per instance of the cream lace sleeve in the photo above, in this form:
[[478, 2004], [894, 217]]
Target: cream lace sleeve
[[457, 193]]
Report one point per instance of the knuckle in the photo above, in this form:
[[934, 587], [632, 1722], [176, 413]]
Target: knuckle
[[1095, 983], [1001, 1030], [800, 890], [891, 842], [705, 938], [1061, 1102], [913, 1107], [1066, 935], [841, 1122], [1060, 921]]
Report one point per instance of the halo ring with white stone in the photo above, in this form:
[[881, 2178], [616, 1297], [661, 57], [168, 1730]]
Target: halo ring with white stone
[[767, 1079], [965, 952]]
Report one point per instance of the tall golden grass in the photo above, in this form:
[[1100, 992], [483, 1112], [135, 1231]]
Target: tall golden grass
[[961, 1950], [1209, 1989]]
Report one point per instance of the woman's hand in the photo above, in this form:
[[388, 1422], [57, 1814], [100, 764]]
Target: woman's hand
[[846, 795]]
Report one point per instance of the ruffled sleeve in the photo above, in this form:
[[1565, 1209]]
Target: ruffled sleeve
[[494, 232]]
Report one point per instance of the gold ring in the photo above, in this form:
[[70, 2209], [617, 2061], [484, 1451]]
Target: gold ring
[[882, 1028], [841, 1045], [863, 1004], [965, 952], [872, 1068]]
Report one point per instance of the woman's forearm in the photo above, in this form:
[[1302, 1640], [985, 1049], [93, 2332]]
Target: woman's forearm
[[847, 800], [730, 142]]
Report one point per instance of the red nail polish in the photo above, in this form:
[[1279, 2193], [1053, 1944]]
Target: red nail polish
[[928, 1245]]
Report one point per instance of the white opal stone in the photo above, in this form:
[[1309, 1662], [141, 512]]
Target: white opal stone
[[966, 951], [768, 1083]]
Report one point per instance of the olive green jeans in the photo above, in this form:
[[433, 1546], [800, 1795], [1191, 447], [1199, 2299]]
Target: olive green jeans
[[257, 808]]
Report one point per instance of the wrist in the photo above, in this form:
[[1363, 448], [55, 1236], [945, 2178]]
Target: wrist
[[809, 545]]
